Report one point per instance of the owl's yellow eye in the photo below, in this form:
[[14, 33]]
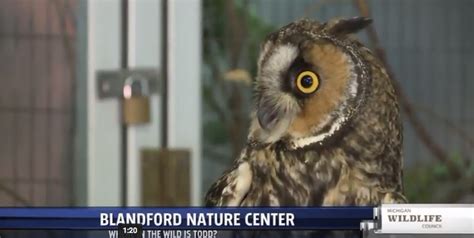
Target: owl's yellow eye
[[307, 82]]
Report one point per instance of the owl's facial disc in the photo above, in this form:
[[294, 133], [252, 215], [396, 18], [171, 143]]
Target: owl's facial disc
[[311, 81], [302, 90]]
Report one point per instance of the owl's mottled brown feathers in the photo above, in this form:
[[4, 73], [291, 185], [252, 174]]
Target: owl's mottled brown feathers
[[341, 145]]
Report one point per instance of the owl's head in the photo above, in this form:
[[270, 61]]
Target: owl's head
[[311, 81]]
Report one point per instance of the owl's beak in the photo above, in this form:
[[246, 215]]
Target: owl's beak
[[274, 116], [269, 115], [273, 120]]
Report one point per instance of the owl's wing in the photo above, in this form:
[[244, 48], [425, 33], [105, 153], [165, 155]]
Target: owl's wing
[[394, 197], [232, 187]]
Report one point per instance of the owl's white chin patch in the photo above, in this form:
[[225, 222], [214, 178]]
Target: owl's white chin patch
[[320, 137]]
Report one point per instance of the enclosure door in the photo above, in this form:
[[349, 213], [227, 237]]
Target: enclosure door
[[108, 44], [105, 51]]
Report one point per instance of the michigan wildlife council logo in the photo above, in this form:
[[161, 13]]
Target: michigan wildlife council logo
[[427, 221]]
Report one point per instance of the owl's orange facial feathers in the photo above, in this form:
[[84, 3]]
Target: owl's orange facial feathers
[[334, 69]]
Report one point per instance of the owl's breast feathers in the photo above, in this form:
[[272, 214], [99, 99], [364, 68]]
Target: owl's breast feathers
[[271, 177]]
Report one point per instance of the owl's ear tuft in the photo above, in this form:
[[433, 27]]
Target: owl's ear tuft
[[347, 26]]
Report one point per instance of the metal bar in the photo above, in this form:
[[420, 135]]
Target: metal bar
[[164, 63], [49, 103], [36, 36], [124, 132], [30, 109], [32, 101], [110, 82], [15, 119], [34, 181], [70, 131]]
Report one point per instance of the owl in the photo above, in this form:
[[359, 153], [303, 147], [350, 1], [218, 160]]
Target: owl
[[326, 128]]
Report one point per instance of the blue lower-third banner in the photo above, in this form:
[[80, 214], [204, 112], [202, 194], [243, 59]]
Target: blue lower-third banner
[[189, 218]]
